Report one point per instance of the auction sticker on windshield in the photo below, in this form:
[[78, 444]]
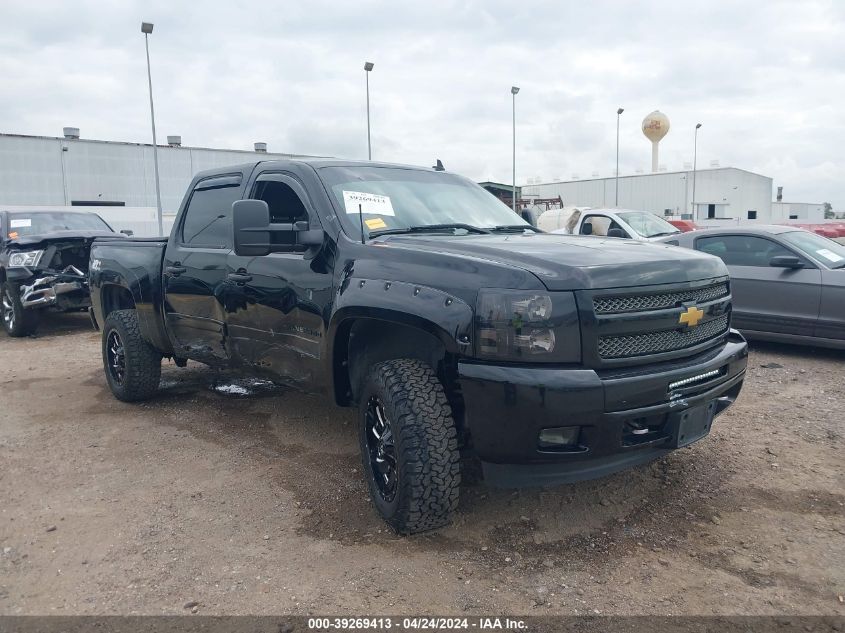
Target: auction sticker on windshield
[[371, 203], [17, 224], [829, 255], [375, 223]]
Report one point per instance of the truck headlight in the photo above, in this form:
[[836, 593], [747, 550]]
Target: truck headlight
[[530, 326], [24, 259]]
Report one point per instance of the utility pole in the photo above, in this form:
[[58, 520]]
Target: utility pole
[[368, 66], [146, 29], [694, 166], [618, 115], [514, 91]]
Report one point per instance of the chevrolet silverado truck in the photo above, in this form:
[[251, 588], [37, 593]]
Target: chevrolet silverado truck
[[453, 326], [44, 264]]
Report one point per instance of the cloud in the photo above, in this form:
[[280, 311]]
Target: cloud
[[764, 78]]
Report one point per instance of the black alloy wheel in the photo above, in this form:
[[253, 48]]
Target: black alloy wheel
[[8, 310], [116, 357], [409, 445], [131, 365], [381, 446], [17, 320]]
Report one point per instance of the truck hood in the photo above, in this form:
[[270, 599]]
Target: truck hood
[[567, 262], [41, 240]]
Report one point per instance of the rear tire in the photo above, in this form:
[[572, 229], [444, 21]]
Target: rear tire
[[17, 320], [132, 366], [409, 446]]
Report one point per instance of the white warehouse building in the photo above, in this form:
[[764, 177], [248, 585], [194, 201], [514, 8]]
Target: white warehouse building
[[720, 193], [114, 179]]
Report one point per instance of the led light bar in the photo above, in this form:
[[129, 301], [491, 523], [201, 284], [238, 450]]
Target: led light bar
[[689, 381]]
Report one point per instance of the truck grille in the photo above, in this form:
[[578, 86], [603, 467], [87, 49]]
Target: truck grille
[[663, 341], [661, 301]]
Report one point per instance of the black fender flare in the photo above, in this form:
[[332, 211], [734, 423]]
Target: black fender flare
[[141, 289], [442, 315]]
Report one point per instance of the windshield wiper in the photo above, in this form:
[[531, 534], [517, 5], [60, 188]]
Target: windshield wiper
[[513, 228], [664, 233], [430, 228]]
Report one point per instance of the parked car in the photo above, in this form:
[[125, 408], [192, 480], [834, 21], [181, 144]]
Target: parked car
[[684, 225], [788, 283], [44, 263], [623, 223], [449, 322]]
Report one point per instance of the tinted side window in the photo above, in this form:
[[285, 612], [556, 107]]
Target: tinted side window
[[285, 205], [741, 250], [208, 218]]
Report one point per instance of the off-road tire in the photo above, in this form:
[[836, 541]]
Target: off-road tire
[[23, 322], [142, 362], [426, 445]]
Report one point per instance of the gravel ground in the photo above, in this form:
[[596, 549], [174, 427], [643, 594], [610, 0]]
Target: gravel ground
[[225, 496]]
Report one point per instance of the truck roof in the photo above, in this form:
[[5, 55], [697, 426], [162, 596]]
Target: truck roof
[[36, 210], [314, 162]]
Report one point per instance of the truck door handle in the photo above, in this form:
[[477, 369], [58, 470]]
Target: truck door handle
[[175, 270], [240, 278]]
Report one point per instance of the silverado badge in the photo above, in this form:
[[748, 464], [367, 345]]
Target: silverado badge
[[691, 316]]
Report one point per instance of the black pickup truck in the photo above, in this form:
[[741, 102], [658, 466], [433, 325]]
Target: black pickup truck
[[44, 258], [448, 321]]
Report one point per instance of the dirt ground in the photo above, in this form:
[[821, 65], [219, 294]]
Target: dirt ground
[[248, 499]]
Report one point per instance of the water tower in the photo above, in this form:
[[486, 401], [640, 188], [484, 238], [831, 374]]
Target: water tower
[[655, 127]]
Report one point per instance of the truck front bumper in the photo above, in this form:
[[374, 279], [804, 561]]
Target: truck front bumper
[[624, 417], [52, 288]]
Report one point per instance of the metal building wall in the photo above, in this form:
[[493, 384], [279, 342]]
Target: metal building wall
[[810, 211], [31, 171], [738, 189], [56, 171]]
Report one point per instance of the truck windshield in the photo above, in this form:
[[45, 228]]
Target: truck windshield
[[647, 224], [396, 198], [21, 224]]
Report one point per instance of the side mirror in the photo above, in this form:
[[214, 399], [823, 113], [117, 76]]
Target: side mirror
[[587, 228], [254, 231], [617, 233], [251, 223], [786, 261], [306, 236]]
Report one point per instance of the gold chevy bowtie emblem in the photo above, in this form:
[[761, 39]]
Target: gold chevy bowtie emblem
[[691, 316]]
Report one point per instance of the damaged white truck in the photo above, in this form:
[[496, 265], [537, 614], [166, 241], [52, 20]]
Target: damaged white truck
[[44, 264]]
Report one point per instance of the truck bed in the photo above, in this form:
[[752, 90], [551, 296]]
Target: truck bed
[[130, 267]]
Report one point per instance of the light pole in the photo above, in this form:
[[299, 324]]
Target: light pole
[[618, 115], [694, 165], [514, 90], [146, 29], [368, 66]]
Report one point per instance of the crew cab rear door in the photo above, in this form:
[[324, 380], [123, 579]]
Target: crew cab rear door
[[194, 269], [275, 303]]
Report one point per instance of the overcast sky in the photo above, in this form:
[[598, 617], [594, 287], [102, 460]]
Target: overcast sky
[[766, 79]]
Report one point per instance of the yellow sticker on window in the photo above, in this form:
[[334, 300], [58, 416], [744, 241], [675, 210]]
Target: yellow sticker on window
[[375, 223]]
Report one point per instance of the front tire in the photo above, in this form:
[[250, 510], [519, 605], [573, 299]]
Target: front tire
[[409, 446], [17, 320], [132, 366]]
